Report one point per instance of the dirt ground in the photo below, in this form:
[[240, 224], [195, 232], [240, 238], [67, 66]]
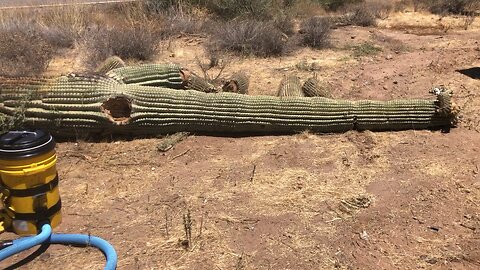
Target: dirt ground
[[391, 200]]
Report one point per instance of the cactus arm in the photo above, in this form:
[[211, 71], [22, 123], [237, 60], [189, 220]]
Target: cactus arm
[[290, 86], [161, 75], [313, 88], [196, 83], [237, 83], [110, 63]]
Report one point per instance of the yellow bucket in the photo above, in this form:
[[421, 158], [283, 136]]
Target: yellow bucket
[[29, 181]]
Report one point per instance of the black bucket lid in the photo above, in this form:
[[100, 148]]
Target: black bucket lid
[[19, 144]]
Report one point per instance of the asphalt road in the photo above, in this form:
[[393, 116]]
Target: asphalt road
[[40, 3]]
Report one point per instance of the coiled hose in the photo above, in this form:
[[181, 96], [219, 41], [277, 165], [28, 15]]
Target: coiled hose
[[46, 236]]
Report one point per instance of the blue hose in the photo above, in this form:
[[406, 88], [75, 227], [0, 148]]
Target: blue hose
[[21, 244], [87, 240], [46, 236]]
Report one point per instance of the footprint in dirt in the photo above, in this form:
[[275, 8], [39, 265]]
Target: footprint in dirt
[[365, 143]]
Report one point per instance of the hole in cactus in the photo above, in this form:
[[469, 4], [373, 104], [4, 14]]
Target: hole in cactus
[[118, 109], [230, 86]]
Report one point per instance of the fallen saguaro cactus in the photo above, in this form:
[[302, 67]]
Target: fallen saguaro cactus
[[76, 104]]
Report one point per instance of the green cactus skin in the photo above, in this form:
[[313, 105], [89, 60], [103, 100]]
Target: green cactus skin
[[161, 75], [72, 105], [290, 86], [313, 88], [110, 63], [237, 83]]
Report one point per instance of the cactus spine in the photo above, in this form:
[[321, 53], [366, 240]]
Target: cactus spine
[[290, 86], [313, 88], [110, 63]]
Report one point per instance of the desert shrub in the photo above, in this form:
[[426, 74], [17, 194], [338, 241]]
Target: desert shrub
[[139, 42], [226, 9], [304, 9], [284, 22], [64, 26], [229, 9], [248, 37], [177, 22], [315, 32], [447, 6], [24, 50], [337, 4], [59, 37], [360, 15], [380, 9], [452, 6], [160, 6]]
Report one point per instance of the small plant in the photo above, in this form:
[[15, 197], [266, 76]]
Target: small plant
[[315, 32], [365, 49], [468, 20], [16, 120], [241, 262], [248, 37], [213, 61], [187, 226]]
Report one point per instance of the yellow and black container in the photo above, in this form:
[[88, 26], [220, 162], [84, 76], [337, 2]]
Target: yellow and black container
[[28, 181]]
